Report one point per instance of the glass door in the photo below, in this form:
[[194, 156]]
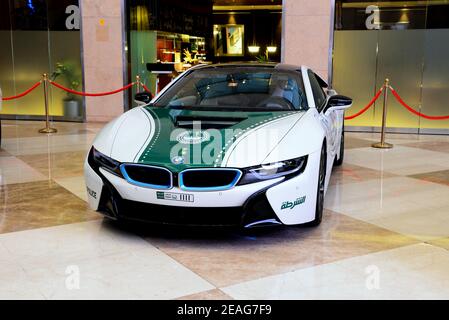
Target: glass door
[[40, 37], [404, 41]]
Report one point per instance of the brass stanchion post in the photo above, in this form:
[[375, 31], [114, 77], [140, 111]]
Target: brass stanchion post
[[382, 144], [138, 84], [47, 128]]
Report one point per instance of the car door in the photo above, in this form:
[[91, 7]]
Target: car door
[[329, 120]]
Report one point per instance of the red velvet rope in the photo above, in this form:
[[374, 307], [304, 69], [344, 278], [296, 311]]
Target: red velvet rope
[[37, 84], [396, 95], [367, 107], [92, 94], [146, 89]]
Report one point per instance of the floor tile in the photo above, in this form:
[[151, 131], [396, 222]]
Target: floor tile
[[40, 204], [441, 177], [14, 170], [349, 173], [147, 274], [52, 143], [75, 185], [400, 160], [417, 208], [439, 146], [57, 165], [15, 284], [232, 258], [21, 128], [5, 256], [442, 242], [4, 153], [95, 260], [398, 138], [424, 225], [67, 243], [353, 143], [377, 198], [214, 294], [412, 272]]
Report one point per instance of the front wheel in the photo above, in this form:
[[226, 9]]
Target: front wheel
[[319, 208]]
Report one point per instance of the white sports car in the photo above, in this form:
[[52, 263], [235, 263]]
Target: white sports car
[[248, 144]]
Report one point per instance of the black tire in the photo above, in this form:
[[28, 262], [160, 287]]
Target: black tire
[[319, 208], [339, 161]]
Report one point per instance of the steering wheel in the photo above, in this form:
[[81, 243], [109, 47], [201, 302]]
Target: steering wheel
[[276, 103]]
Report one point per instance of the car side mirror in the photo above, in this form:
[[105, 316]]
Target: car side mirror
[[142, 98], [338, 102]]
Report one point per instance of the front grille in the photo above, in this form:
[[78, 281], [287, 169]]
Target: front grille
[[147, 176], [209, 179]]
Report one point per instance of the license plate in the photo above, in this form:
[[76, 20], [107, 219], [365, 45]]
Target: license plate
[[172, 196]]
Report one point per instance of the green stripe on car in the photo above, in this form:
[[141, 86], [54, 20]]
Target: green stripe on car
[[208, 147]]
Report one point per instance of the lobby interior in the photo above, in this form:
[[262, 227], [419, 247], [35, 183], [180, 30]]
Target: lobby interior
[[385, 232]]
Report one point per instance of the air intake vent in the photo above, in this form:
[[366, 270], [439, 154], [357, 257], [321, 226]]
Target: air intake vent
[[206, 122], [212, 179], [147, 176]]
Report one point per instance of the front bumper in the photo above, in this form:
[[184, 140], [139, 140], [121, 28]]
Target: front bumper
[[256, 211], [255, 204]]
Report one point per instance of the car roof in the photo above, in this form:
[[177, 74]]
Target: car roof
[[274, 65]]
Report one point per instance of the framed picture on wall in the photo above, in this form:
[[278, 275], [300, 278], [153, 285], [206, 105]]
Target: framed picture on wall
[[229, 39]]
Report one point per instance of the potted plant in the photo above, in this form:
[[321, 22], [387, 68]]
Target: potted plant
[[263, 57], [72, 103]]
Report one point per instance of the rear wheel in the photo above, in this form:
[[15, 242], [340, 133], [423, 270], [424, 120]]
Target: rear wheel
[[319, 208]]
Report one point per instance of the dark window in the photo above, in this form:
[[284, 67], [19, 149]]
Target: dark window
[[318, 93], [392, 15]]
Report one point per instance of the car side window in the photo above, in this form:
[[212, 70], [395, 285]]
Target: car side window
[[318, 94]]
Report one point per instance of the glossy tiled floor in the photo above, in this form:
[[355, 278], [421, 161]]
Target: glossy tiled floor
[[385, 232]]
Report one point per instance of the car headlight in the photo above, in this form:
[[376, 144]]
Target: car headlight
[[97, 159], [286, 168]]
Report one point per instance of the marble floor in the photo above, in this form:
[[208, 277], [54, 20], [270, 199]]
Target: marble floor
[[385, 233]]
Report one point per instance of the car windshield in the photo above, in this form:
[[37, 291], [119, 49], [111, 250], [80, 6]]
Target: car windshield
[[239, 89]]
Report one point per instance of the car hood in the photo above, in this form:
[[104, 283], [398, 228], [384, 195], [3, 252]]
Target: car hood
[[179, 139]]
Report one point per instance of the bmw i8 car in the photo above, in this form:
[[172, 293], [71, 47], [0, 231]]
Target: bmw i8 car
[[243, 144]]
